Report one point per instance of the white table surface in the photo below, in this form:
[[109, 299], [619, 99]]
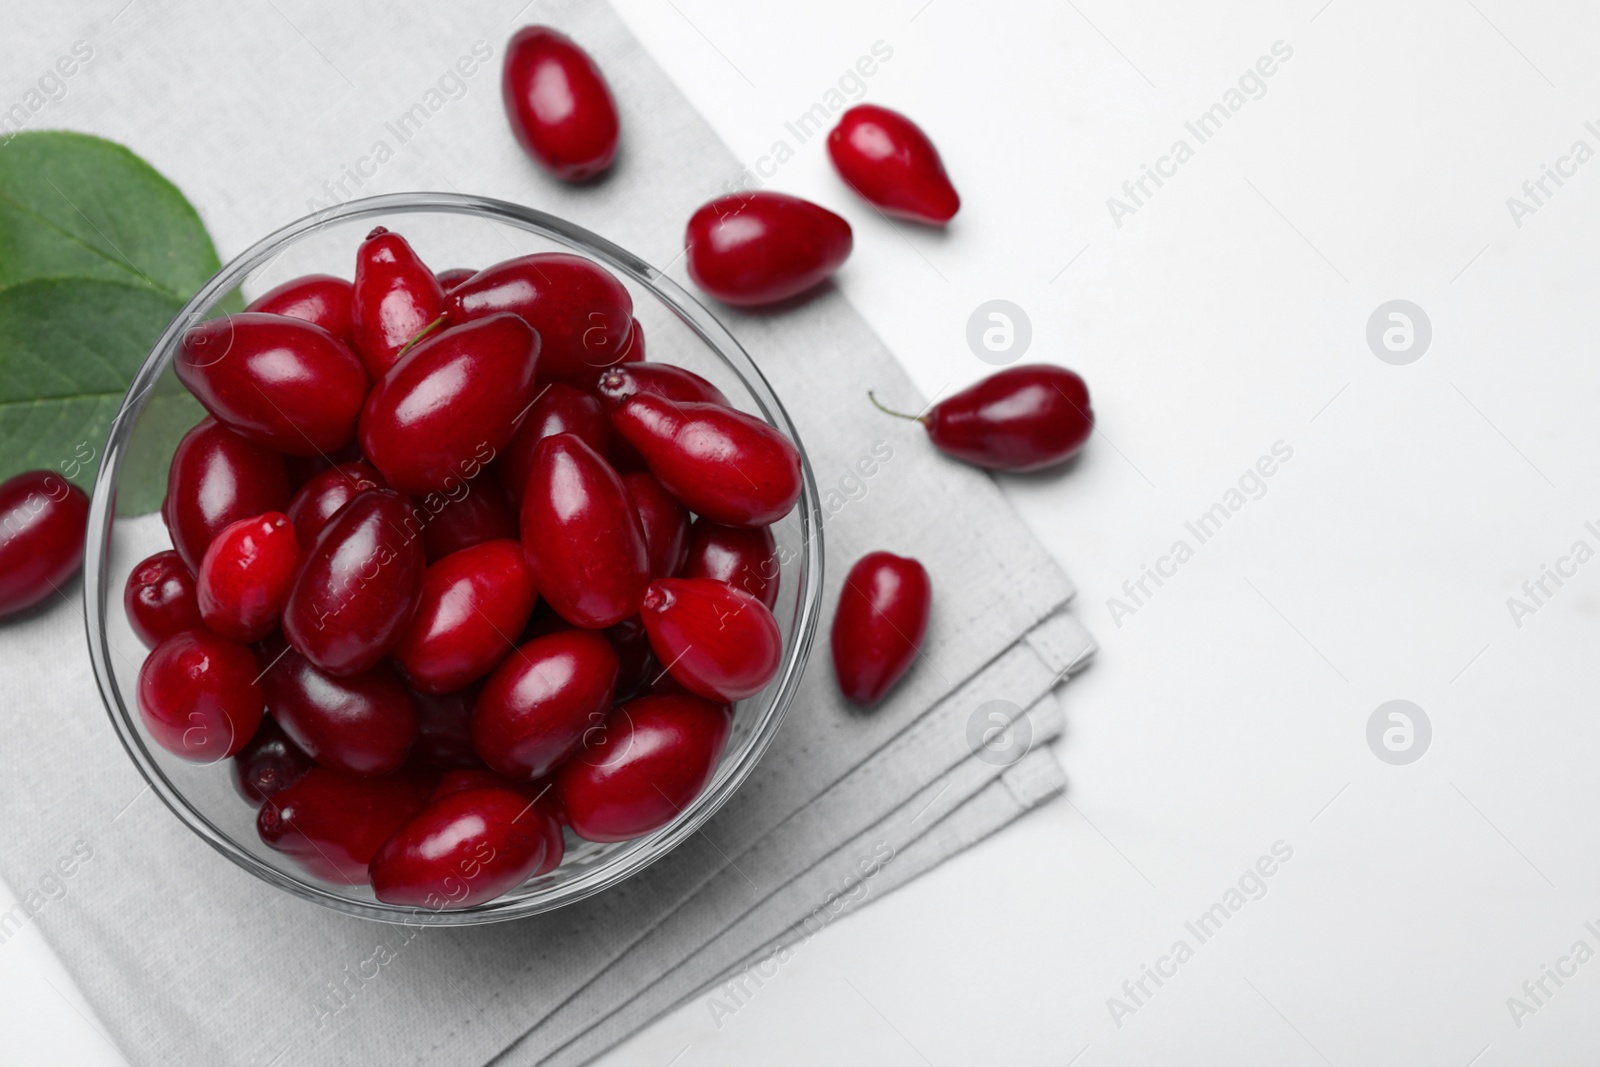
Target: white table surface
[[1229, 711]]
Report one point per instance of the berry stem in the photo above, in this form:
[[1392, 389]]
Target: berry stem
[[890, 411], [421, 336]]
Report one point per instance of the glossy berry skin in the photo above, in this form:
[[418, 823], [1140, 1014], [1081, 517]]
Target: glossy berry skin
[[268, 764], [217, 477], [450, 405], [654, 756], [719, 642], [159, 598], [537, 706], [245, 575], [886, 158], [661, 379], [481, 513], [1021, 419], [541, 791], [43, 518], [444, 730], [582, 535], [324, 493], [721, 463], [452, 277], [666, 685], [477, 778], [320, 299], [758, 248], [558, 103], [474, 604], [332, 824], [744, 557], [280, 382], [559, 409], [665, 523], [583, 315], [357, 587], [198, 697], [394, 297], [363, 724], [464, 848], [635, 350], [878, 629]]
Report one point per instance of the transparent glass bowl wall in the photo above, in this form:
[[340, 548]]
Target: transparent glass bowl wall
[[447, 230]]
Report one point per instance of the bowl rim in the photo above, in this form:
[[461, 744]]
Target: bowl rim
[[638, 853]]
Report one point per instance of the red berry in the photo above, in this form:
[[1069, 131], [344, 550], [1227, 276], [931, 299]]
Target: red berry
[[536, 708], [666, 685], [583, 315], [304, 468], [332, 824], [635, 352], [446, 409], [759, 248], [394, 298], [245, 575], [474, 604], [721, 463], [358, 586], [361, 724], [664, 521], [559, 105], [280, 382], [454, 276], [43, 518], [744, 557], [217, 477], [198, 696], [636, 662], [542, 792], [661, 379], [159, 598], [444, 730], [480, 513], [269, 763], [1021, 419], [653, 757], [320, 299], [559, 409], [481, 778], [887, 158], [720, 642], [464, 848], [324, 493], [878, 629], [582, 535]]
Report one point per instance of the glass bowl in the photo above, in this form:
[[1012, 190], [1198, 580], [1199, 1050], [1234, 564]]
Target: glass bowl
[[447, 230]]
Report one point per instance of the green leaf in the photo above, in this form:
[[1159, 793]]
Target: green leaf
[[69, 347], [72, 205]]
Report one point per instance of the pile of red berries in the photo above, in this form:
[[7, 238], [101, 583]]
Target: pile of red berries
[[453, 568]]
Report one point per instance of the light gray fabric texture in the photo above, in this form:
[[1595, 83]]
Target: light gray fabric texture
[[937, 744], [949, 814]]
